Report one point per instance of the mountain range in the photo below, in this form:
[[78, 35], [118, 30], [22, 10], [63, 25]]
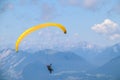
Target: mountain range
[[77, 64]]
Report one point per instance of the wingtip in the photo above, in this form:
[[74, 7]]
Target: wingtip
[[16, 51], [65, 32]]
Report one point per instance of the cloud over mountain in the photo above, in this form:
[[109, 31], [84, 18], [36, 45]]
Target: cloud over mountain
[[52, 39], [108, 28]]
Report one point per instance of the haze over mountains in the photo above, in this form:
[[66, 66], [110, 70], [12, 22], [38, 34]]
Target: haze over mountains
[[81, 63]]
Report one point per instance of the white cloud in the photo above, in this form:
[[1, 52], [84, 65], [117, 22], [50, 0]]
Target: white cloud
[[114, 36], [51, 39], [107, 28]]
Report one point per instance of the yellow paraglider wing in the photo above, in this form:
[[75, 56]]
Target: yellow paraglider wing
[[34, 28]]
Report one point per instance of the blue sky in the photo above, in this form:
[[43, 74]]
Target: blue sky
[[94, 21]]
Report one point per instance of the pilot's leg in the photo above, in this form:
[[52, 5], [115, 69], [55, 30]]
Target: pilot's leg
[[50, 70]]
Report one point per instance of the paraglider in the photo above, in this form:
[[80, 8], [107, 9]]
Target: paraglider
[[37, 27], [34, 28], [50, 69]]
